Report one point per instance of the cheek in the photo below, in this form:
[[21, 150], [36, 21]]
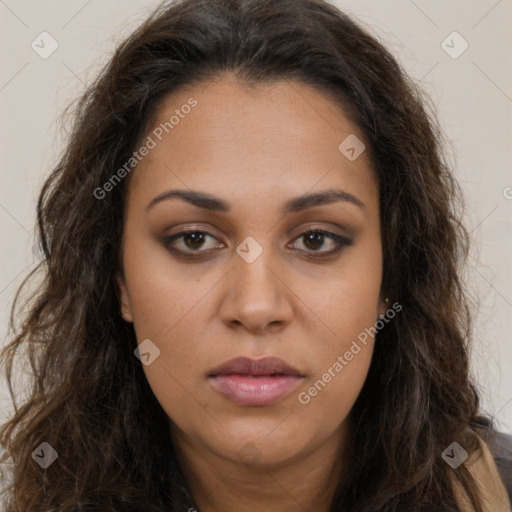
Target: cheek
[[342, 352], [162, 294], [347, 300], [332, 392], [168, 308], [342, 358]]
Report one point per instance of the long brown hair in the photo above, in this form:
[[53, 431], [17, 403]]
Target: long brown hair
[[89, 398]]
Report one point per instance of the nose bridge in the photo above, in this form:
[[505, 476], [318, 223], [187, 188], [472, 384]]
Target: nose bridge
[[256, 296], [254, 268]]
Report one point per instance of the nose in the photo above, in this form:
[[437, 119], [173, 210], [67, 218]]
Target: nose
[[257, 296]]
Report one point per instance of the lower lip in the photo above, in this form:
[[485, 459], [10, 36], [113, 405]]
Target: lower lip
[[257, 390]]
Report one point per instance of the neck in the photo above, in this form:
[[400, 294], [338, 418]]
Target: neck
[[305, 482]]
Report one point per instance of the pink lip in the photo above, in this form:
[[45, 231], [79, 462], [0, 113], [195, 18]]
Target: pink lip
[[255, 382]]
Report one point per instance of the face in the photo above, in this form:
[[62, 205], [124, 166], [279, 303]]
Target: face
[[250, 233]]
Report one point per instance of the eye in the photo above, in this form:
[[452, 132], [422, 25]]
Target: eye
[[190, 241], [194, 243], [313, 241]]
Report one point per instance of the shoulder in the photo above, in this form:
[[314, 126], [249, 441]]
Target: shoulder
[[500, 446], [491, 467]]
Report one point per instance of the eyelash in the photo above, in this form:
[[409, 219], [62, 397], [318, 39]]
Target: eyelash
[[340, 242]]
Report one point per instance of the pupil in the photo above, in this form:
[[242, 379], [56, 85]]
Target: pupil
[[314, 240], [196, 239]]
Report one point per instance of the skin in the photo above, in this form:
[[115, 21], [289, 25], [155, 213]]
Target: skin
[[255, 148]]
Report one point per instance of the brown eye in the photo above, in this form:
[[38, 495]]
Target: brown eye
[[190, 242], [314, 240], [194, 240], [195, 243]]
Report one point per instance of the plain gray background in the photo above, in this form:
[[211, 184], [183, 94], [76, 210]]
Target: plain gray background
[[471, 94]]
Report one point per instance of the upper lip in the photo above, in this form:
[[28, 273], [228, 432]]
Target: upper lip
[[248, 366]]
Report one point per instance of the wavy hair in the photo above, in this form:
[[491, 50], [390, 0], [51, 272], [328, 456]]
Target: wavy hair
[[88, 396]]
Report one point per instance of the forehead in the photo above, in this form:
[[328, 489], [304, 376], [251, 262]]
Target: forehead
[[282, 137]]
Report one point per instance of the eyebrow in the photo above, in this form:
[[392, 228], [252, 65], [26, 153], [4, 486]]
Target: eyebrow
[[212, 203]]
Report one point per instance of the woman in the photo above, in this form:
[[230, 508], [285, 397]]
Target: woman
[[251, 298]]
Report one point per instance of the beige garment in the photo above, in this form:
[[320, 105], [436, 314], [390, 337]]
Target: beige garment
[[492, 491]]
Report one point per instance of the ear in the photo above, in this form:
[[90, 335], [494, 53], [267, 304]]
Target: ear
[[124, 300], [383, 307]]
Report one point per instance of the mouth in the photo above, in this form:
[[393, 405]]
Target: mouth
[[255, 382]]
